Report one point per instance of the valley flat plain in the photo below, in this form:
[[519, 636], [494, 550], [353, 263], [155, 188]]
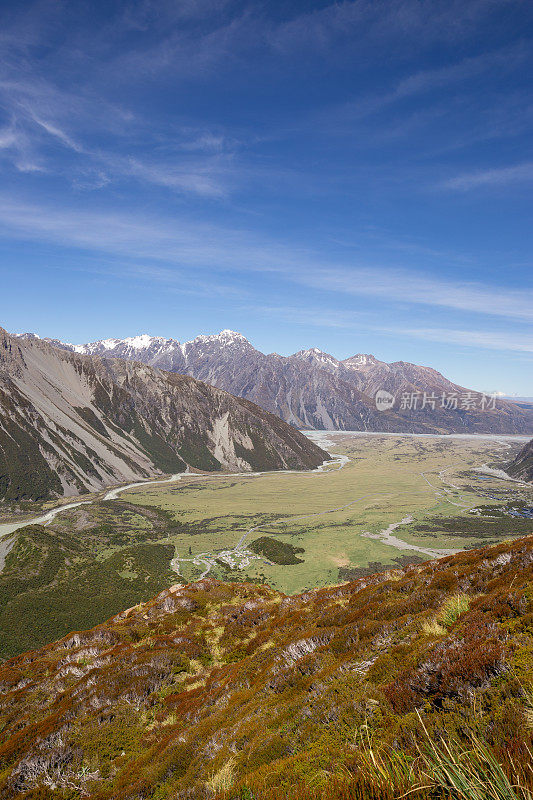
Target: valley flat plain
[[397, 499], [387, 501]]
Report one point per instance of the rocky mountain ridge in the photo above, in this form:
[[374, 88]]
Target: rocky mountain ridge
[[71, 423], [313, 389], [522, 466]]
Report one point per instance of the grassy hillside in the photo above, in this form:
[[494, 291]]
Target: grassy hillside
[[373, 689], [93, 562]]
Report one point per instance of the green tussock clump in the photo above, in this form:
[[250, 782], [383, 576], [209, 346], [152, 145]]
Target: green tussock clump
[[458, 770], [452, 609]]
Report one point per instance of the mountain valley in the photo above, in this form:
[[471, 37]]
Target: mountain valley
[[284, 610], [383, 502]]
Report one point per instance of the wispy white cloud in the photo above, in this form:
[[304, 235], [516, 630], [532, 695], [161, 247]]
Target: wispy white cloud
[[230, 34], [425, 80], [7, 138], [382, 21], [414, 287], [175, 280], [323, 317], [428, 80], [179, 241], [207, 178], [198, 164], [56, 132], [445, 100], [15, 148], [206, 141], [176, 240], [500, 176], [490, 340], [176, 44]]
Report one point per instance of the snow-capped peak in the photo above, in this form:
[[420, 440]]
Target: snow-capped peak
[[225, 337], [107, 344], [317, 356], [227, 334], [360, 360], [141, 341]]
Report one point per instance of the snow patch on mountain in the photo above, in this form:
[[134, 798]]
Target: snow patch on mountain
[[318, 357], [360, 360], [225, 337], [144, 340]]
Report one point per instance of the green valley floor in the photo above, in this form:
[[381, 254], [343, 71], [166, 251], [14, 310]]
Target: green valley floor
[[387, 501]]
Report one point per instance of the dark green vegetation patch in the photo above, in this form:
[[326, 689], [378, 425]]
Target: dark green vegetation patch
[[353, 573], [478, 527], [276, 551]]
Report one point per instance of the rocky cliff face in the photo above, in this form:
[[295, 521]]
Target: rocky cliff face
[[71, 423], [212, 687], [522, 466], [313, 389]]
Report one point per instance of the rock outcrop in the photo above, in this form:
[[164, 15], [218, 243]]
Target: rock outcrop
[[522, 466]]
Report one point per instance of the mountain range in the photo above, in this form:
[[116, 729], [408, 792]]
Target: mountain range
[[313, 389], [71, 423]]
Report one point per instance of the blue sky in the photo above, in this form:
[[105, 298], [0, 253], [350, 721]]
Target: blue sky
[[355, 176]]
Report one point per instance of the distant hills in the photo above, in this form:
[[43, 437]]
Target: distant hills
[[71, 423], [313, 389]]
